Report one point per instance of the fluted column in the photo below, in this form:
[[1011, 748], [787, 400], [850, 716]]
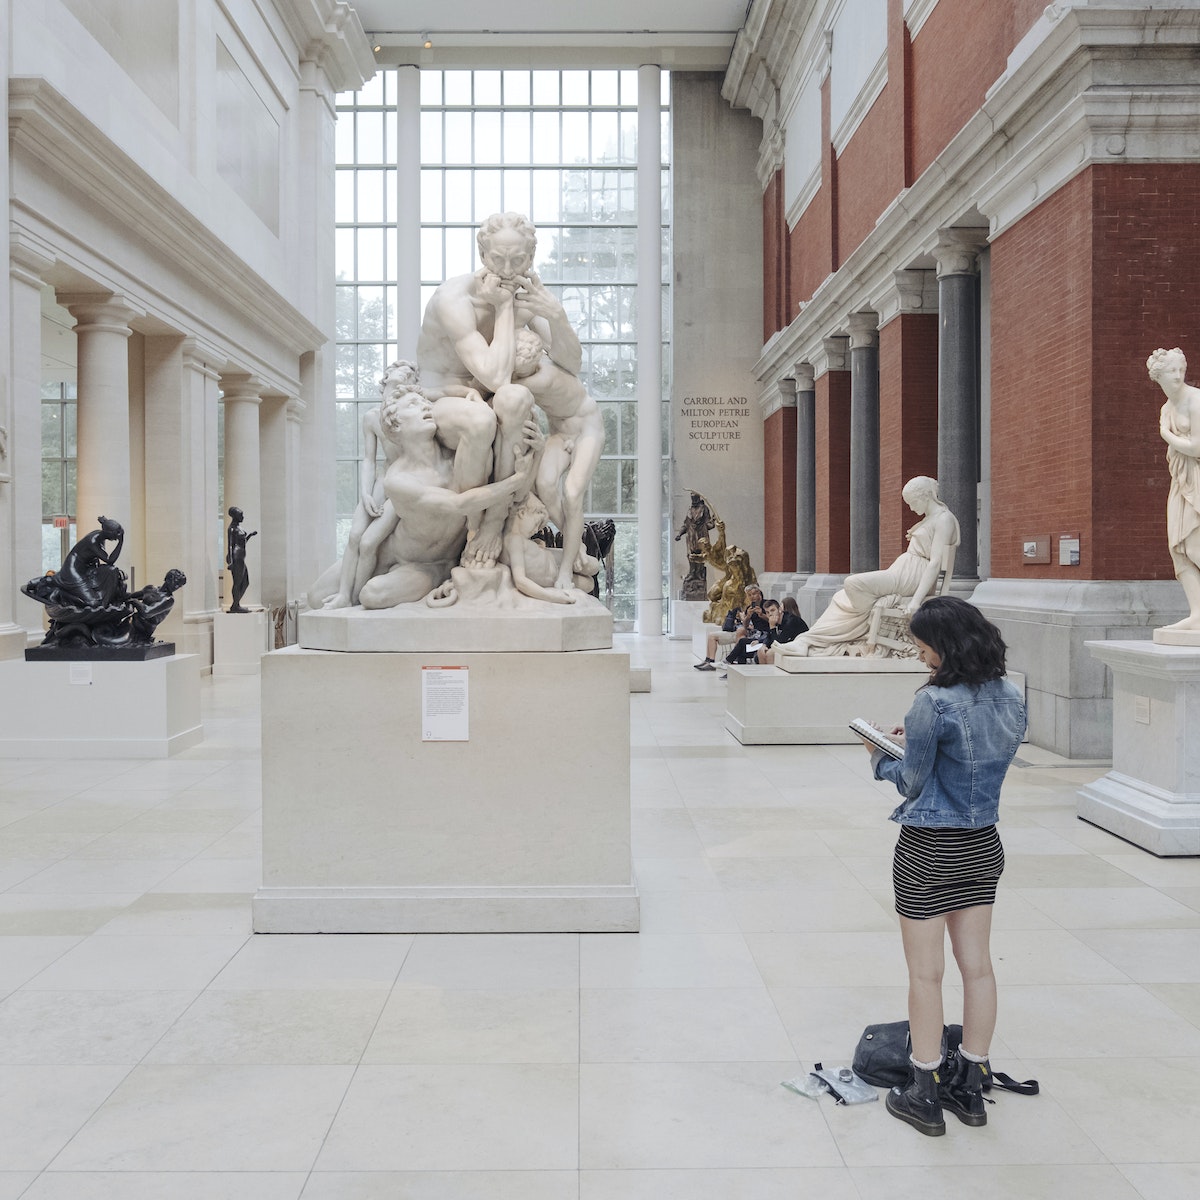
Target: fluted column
[[864, 442], [102, 329], [21, 465], [242, 396], [649, 352], [806, 469], [958, 387]]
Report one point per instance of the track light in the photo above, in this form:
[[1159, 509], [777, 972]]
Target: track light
[[426, 41]]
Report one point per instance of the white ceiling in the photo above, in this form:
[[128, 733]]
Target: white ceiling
[[683, 33]]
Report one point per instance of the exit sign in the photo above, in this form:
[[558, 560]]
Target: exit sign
[[62, 522]]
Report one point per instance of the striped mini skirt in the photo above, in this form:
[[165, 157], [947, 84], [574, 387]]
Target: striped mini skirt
[[936, 871]]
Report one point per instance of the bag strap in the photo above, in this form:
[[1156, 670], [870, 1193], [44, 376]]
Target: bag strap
[[1009, 1084]]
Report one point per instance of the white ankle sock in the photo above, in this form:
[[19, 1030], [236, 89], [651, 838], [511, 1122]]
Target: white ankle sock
[[975, 1058], [929, 1066]]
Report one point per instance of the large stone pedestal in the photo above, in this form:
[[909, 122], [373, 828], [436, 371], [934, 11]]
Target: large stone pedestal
[[1151, 797], [99, 709], [368, 828], [811, 701], [239, 641]]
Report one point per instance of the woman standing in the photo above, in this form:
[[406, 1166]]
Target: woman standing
[[235, 559], [959, 738]]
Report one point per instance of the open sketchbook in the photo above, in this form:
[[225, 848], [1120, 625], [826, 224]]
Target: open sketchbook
[[877, 738]]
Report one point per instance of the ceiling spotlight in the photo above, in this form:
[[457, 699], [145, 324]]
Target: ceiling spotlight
[[426, 41], [377, 49]]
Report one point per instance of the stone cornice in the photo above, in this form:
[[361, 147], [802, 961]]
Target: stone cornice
[[329, 33], [781, 393], [1039, 126], [53, 133]]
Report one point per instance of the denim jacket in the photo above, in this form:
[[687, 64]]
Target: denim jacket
[[958, 743]]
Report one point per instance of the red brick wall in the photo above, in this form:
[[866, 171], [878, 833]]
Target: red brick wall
[[833, 471], [779, 491], [908, 364], [957, 55], [1083, 289], [811, 243]]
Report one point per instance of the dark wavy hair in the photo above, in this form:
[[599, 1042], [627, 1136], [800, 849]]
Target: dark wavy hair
[[970, 646]]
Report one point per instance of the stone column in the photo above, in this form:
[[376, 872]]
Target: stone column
[[203, 553], [806, 469], [408, 205], [274, 475], [102, 329], [21, 463], [242, 396], [864, 442], [649, 353], [958, 387]]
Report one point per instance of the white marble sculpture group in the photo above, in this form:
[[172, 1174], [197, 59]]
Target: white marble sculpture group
[[469, 476]]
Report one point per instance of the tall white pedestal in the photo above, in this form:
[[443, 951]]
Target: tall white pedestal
[[687, 616], [1151, 797], [368, 828], [813, 700], [99, 709], [239, 642]]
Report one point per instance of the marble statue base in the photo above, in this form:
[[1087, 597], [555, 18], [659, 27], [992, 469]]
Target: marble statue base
[[99, 709], [1151, 797], [135, 652], [813, 701], [416, 628], [1177, 637], [523, 827], [239, 641], [687, 616]]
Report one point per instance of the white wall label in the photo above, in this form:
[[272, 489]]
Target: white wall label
[[80, 672], [445, 711]]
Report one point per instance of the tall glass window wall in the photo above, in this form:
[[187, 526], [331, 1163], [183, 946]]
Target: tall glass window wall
[[559, 146], [58, 472]]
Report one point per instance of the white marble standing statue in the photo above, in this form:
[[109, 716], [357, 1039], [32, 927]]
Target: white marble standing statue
[[1179, 425], [842, 627]]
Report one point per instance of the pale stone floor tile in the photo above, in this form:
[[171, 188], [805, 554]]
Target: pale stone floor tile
[[272, 1028], [816, 869], [666, 960], [763, 1183], [206, 1118], [139, 962], [646, 1116], [513, 960], [85, 1028], [17, 870], [836, 959], [685, 912], [174, 1185], [442, 1185], [22, 958], [1149, 955], [1181, 998], [1014, 911], [316, 961], [825, 1023], [1001, 1182], [1185, 895], [36, 914], [182, 914], [1163, 1181], [1065, 870], [1135, 1110], [1093, 1021], [240, 875], [682, 875], [13, 1184], [798, 910], [42, 1107], [1051, 956], [1158, 872], [436, 1025], [1034, 839], [680, 1025], [72, 875], [1112, 908], [480, 1117]]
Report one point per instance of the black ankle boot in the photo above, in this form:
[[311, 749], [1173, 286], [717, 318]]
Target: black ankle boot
[[918, 1104], [961, 1089]]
